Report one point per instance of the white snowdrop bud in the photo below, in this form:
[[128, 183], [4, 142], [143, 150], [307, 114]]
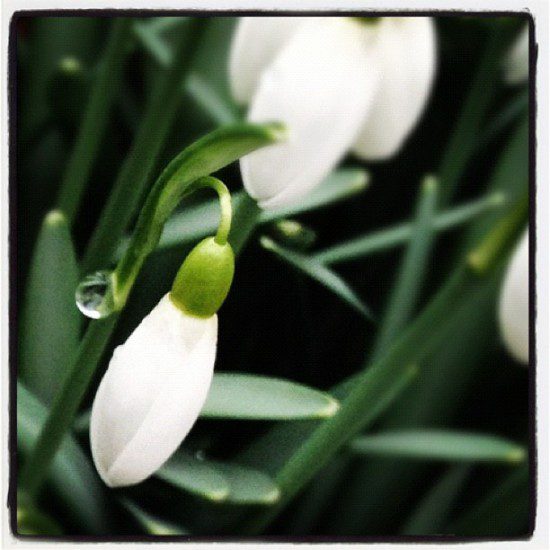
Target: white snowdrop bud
[[152, 393]]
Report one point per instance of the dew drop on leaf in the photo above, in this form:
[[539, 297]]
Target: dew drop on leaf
[[94, 297]]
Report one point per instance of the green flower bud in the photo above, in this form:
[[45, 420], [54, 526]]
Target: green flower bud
[[204, 279]]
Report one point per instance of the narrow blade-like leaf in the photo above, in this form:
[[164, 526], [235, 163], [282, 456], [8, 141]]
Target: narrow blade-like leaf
[[432, 511], [150, 524], [195, 476], [440, 445], [72, 476], [410, 277], [50, 325], [319, 273], [250, 397], [218, 481], [391, 237], [247, 485], [504, 510]]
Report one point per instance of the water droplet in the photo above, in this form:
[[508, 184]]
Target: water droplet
[[94, 296]]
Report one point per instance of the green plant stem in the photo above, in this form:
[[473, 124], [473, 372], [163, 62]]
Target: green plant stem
[[410, 278], [462, 145], [412, 347], [391, 237], [94, 123], [245, 220], [66, 404], [136, 170]]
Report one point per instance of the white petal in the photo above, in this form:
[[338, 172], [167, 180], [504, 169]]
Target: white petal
[[406, 50], [151, 394], [256, 42], [320, 86], [516, 62], [514, 303]]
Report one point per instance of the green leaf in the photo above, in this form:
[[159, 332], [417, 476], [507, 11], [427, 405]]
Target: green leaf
[[250, 397], [196, 222], [410, 277], [320, 273], [504, 511], [391, 237], [216, 104], [199, 477], [517, 107], [462, 144], [219, 481], [133, 176], [96, 117], [50, 326], [247, 485], [32, 521], [72, 477], [432, 511], [150, 524], [440, 445], [50, 39]]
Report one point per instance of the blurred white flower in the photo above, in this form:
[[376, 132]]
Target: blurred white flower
[[152, 393], [514, 303], [516, 61], [338, 84]]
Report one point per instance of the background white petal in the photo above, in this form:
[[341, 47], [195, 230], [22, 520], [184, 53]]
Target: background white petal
[[406, 50], [516, 61], [256, 42], [514, 303], [151, 394], [320, 86]]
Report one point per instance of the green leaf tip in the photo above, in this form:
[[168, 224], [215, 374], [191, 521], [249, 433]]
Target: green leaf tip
[[55, 218], [276, 130], [429, 184], [333, 406], [70, 65], [362, 182], [273, 496], [517, 455]]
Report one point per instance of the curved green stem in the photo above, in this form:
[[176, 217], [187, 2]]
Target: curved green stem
[[224, 197], [178, 180]]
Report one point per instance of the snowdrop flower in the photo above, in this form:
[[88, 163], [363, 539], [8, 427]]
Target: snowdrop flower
[[513, 310], [158, 380], [516, 61], [337, 84]]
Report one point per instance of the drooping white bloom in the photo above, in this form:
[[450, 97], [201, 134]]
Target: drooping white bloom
[[407, 55], [516, 61], [338, 84], [152, 393], [254, 47], [514, 303]]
